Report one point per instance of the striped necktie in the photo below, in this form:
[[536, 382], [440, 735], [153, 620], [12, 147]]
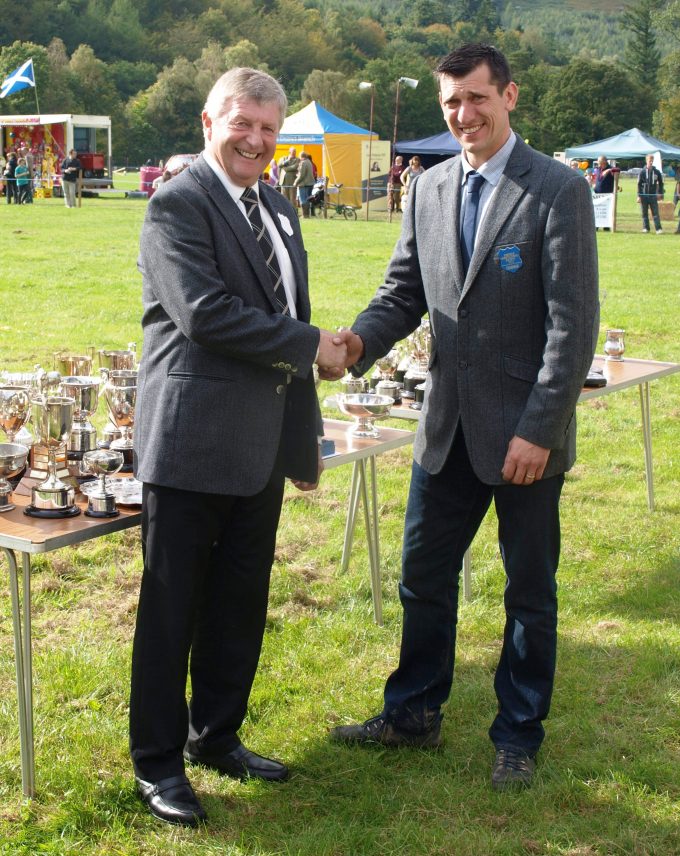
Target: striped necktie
[[252, 205], [473, 186]]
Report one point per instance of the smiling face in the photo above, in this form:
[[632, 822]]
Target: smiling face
[[243, 139], [477, 114]]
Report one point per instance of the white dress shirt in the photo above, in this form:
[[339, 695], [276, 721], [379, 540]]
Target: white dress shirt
[[492, 170], [285, 264]]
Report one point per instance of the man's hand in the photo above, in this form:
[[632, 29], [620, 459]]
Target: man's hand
[[524, 462], [332, 355], [355, 346], [302, 485]]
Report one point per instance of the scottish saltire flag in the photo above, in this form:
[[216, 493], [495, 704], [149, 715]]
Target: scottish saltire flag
[[20, 78]]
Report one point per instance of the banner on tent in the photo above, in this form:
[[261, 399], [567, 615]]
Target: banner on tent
[[603, 205], [375, 167]]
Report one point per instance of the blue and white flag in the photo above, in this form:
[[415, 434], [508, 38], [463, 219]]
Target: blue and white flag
[[20, 78]]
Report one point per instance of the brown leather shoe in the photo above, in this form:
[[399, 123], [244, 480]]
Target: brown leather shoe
[[512, 769], [379, 730]]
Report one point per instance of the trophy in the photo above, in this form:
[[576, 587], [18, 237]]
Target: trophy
[[15, 409], [614, 345], [52, 419], [365, 407], [102, 462], [121, 395], [386, 384], [115, 360], [420, 342], [73, 364], [85, 391], [33, 383], [12, 461]]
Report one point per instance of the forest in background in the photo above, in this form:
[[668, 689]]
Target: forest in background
[[586, 70]]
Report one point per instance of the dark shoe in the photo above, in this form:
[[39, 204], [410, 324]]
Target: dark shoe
[[512, 769], [241, 763], [172, 800], [379, 730]]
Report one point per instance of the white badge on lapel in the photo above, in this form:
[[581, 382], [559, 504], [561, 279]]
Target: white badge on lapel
[[285, 224]]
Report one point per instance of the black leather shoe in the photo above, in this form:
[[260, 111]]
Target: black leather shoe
[[172, 800], [379, 730], [240, 763], [512, 769]]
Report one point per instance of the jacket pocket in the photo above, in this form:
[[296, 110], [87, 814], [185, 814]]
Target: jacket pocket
[[195, 376], [521, 369]]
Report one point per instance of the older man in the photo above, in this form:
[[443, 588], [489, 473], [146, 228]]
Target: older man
[[226, 410], [498, 246]]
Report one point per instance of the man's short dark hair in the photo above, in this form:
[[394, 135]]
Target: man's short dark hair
[[467, 58]]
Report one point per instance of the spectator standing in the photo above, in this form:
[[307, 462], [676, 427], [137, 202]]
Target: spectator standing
[[412, 171], [10, 181], [304, 181], [394, 186], [70, 169], [273, 173], [604, 176], [288, 167], [650, 193], [23, 181]]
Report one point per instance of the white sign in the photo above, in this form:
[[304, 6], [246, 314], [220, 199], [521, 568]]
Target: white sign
[[603, 205], [375, 171]]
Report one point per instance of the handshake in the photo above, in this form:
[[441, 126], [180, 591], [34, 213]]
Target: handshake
[[337, 352]]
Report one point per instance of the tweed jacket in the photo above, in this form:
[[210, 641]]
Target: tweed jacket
[[512, 340], [225, 381]]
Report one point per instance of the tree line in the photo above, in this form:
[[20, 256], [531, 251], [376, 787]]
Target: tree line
[[150, 63]]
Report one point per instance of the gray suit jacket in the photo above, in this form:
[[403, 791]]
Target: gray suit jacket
[[511, 347], [214, 401]]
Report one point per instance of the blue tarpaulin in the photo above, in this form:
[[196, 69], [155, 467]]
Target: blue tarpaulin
[[444, 145]]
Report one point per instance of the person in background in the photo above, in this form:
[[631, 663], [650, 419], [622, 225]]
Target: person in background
[[70, 170], [412, 171], [273, 171], [650, 193], [288, 167], [487, 249], [304, 181], [394, 185], [603, 180], [23, 180], [10, 182]]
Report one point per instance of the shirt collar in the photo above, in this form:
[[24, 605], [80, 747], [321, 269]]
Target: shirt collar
[[493, 169], [234, 190]]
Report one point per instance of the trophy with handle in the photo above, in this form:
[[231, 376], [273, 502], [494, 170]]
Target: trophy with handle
[[85, 391], [14, 411], [102, 462], [52, 419], [121, 397], [74, 364], [115, 360]]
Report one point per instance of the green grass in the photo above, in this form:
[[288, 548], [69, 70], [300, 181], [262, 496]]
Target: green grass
[[608, 780]]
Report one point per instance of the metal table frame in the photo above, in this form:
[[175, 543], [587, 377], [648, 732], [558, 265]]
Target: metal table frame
[[32, 536]]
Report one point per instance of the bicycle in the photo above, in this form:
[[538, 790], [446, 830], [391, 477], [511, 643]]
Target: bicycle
[[318, 200]]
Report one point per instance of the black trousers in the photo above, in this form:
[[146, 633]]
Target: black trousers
[[202, 608]]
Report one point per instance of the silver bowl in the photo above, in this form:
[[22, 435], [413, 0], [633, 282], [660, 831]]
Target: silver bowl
[[365, 408], [12, 461]]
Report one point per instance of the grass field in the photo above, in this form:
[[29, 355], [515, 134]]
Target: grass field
[[608, 780]]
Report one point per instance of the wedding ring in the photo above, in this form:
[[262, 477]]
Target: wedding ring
[[530, 476]]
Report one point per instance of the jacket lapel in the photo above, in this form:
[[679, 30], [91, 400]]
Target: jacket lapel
[[237, 223], [510, 189], [449, 203]]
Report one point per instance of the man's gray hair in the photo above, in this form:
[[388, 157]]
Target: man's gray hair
[[249, 83]]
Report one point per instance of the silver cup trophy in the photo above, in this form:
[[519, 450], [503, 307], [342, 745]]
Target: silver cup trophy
[[52, 419], [85, 391], [115, 360], [121, 397], [365, 407], [12, 461], [102, 463], [72, 365]]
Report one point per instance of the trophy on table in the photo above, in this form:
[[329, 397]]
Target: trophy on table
[[115, 360], [85, 391], [37, 382], [365, 407], [52, 419], [74, 364], [387, 367], [121, 397], [102, 463], [420, 344], [14, 411]]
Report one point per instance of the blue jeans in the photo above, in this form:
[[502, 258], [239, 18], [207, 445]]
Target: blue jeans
[[444, 512]]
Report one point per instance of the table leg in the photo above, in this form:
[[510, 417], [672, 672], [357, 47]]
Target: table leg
[[23, 665], [351, 521], [647, 437], [467, 576], [374, 559], [376, 584]]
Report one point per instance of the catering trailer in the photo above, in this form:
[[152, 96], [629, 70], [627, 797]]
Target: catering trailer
[[50, 137]]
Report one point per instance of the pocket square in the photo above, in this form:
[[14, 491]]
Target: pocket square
[[285, 224]]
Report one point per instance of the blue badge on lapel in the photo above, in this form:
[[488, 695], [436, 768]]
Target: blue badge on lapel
[[510, 258]]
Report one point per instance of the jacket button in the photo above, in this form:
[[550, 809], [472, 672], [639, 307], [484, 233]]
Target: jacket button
[[462, 364], [287, 367], [463, 313], [280, 389]]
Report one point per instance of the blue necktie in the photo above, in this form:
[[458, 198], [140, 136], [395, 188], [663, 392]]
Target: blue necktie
[[473, 187]]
